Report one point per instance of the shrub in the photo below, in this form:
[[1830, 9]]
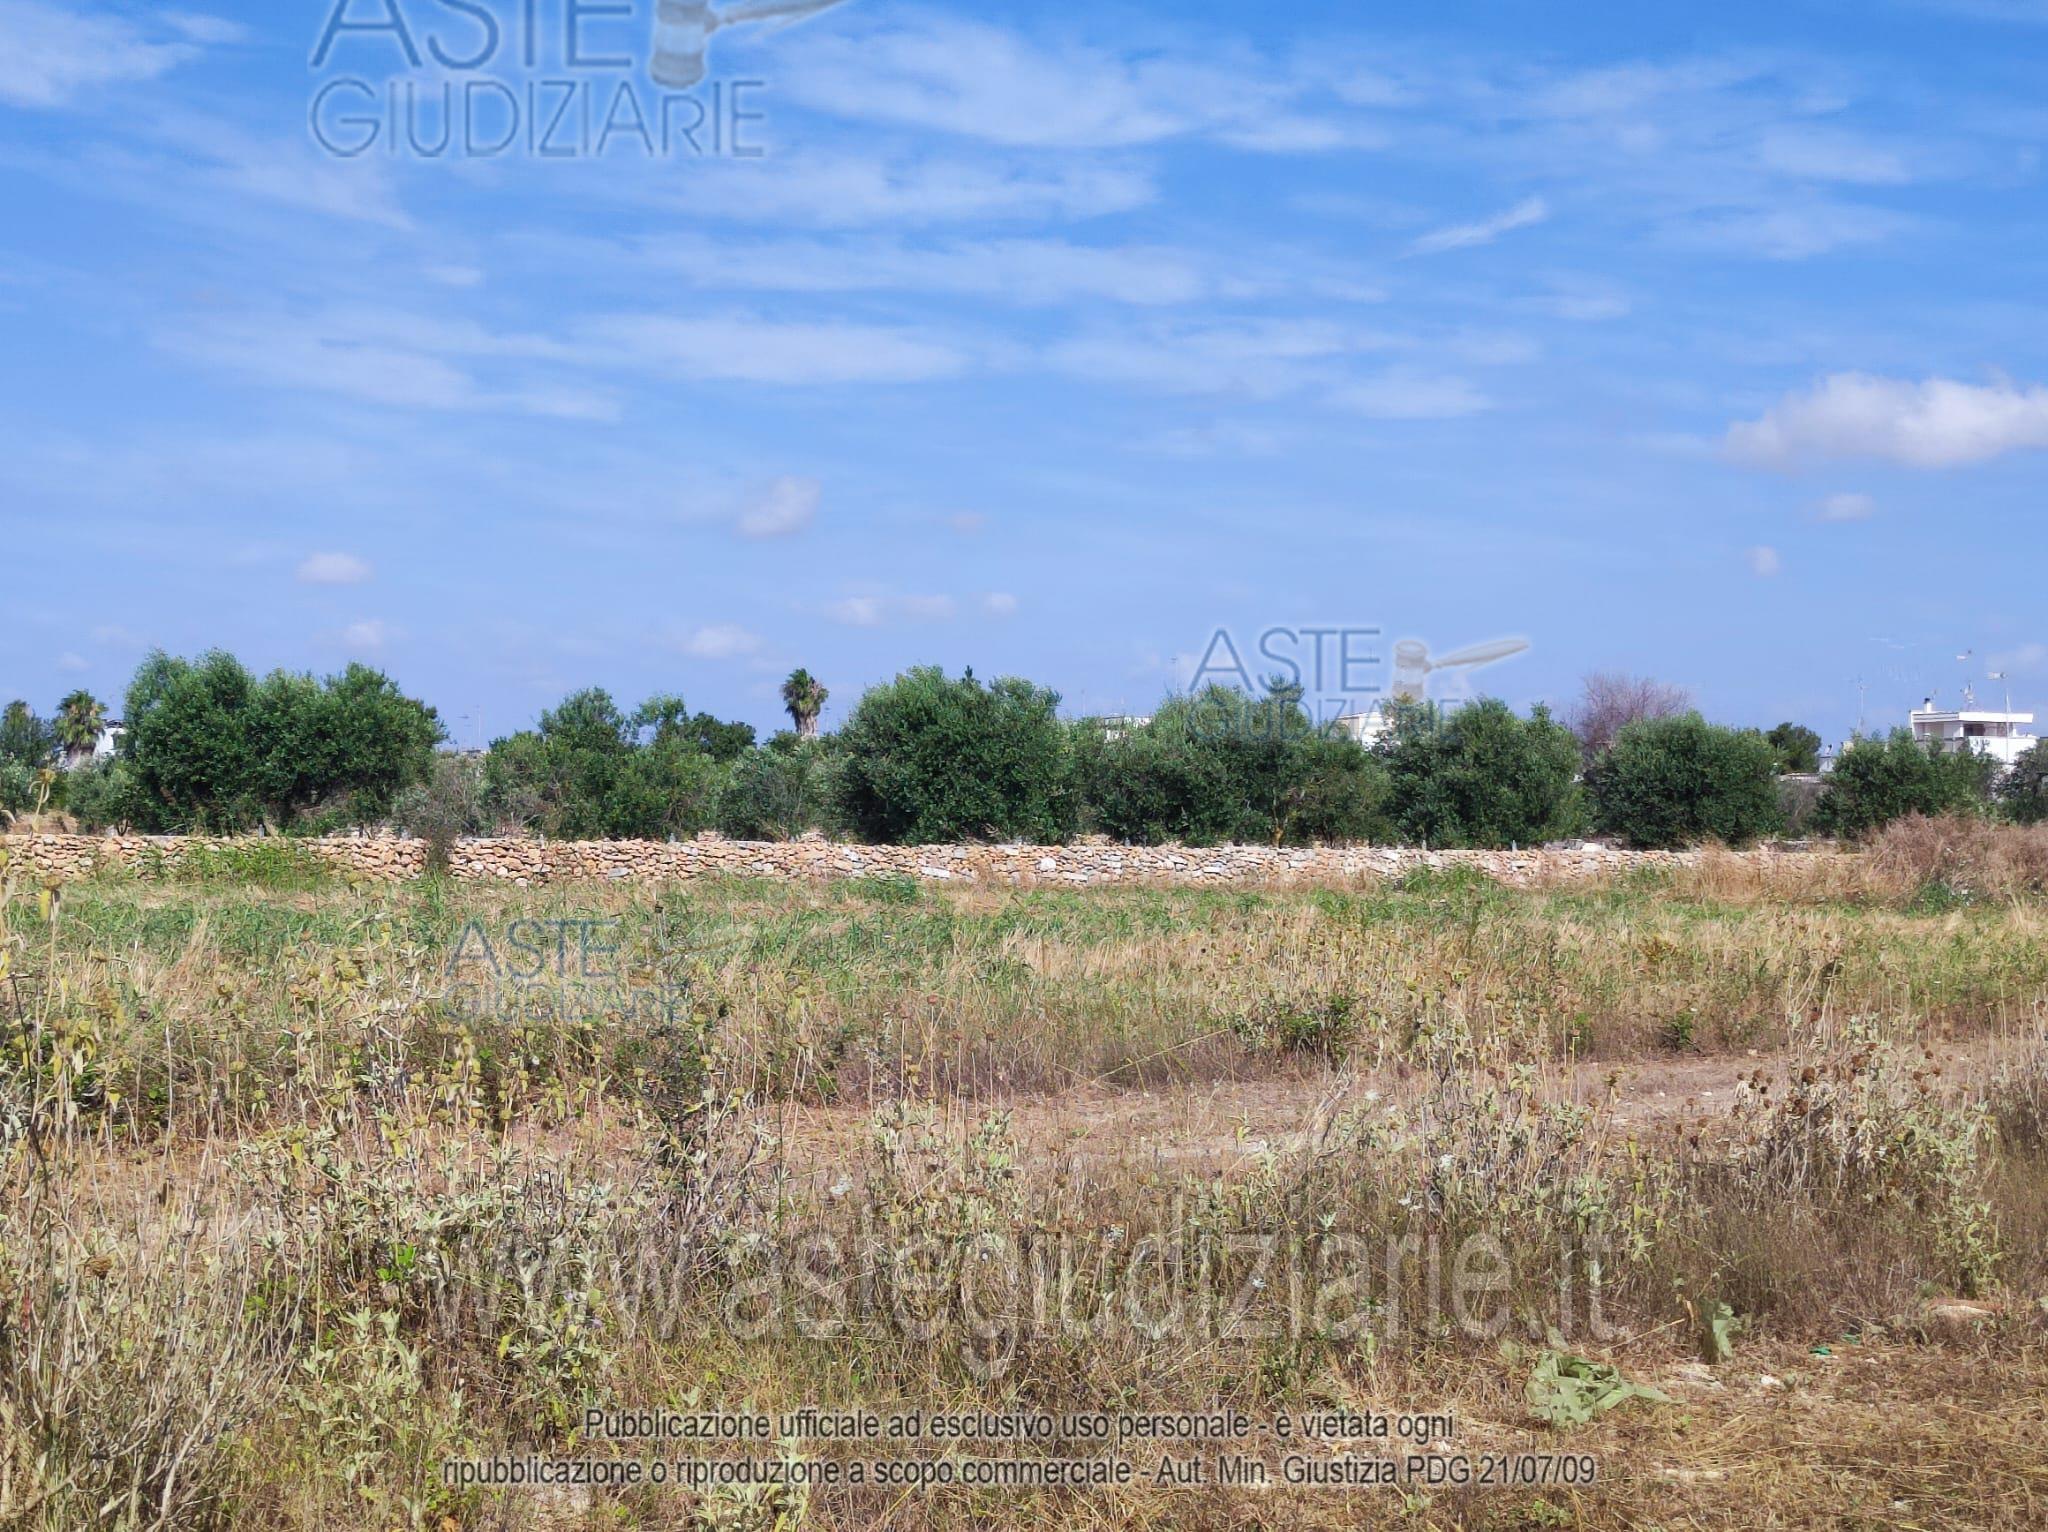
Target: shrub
[[782, 791], [929, 759], [26, 739], [588, 772], [1482, 777], [1879, 780], [1223, 766], [1680, 781], [2024, 789], [17, 786], [107, 796], [443, 808]]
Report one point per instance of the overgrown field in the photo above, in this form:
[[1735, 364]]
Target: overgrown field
[[1734, 1187]]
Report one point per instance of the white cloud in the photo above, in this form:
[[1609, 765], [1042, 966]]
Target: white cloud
[[72, 664], [2027, 659], [844, 191], [880, 611], [1221, 438], [1847, 507], [1938, 423], [1259, 358], [968, 523], [212, 30], [1793, 233], [1020, 271], [403, 361], [785, 507], [282, 171], [1399, 397], [999, 603], [1764, 563], [1818, 154], [1525, 214], [365, 637], [721, 641], [985, 82], [49, 54], [333, 569], [746, 349], [1583, 301], [858, 611]]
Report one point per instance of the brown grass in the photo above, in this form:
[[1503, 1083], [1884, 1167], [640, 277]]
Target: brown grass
[[279, 1233]]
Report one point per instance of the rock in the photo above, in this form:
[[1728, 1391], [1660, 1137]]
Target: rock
[[1089, 861], [1959, 1313]]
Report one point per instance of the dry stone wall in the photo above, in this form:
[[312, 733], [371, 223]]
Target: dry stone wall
[[529, 862]]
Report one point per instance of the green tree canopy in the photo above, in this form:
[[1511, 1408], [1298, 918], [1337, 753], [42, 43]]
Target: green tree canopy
[[1879, 780], [928, 759], [1673, 782], [591, 772], [1796, 748], [1222, 766], [1482, 777], [210, 747], [782, 790], [2024, 789], [26, 739]]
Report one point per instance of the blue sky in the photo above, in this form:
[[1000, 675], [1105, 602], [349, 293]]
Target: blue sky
[[1703, 342]]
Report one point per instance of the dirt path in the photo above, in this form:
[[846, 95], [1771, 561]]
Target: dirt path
[[1216, 1125]]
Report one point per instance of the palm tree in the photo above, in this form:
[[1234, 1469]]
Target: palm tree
[[804, 695], [79, 719]]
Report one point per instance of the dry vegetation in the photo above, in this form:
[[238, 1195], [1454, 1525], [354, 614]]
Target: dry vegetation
[[288, 1217]]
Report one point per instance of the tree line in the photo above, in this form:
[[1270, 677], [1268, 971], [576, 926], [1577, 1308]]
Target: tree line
[[933, 758]]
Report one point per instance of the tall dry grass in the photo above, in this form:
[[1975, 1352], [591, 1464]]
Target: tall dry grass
[[282, 1229]]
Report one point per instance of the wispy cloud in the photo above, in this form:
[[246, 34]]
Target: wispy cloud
[[842, 189], [1764, 563], [1795, 232], [368, 636], [1523, 215], [1847, 507], [784, 507], [888, 610], [721, 641], [1041, 271], [976, 80], [333, 569], [50, 54], [1399, 396], [748, 348], [386, 358]]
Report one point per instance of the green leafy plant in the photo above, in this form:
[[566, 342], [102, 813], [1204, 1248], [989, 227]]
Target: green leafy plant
[[1567, 1391]]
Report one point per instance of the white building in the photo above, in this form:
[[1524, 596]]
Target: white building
[[2002, 736], [1368, 728]]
